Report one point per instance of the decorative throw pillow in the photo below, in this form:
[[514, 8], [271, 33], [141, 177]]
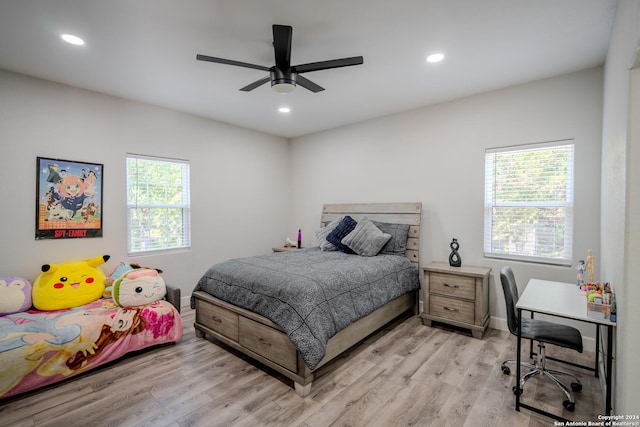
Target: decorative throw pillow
[[397, 245], [366, 239], [322, 234], [345, 227], [15, 295]]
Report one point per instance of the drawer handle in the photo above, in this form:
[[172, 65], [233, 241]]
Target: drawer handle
[[216, 319], [449, 308], [451, 286], [264, 342]]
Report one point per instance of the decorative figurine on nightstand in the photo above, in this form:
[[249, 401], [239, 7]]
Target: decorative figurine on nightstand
[[454, 258]]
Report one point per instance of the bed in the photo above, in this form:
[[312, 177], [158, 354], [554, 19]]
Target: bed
[[260, 305], [39, 348]]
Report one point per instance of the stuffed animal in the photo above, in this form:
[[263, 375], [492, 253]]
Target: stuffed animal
[[15, 295], [117, 272], [69, 284], [138, 287]]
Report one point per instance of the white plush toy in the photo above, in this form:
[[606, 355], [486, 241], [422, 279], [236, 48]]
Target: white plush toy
[[15, 295], [138, 287]]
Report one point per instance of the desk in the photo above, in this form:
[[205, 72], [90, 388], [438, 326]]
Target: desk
[[562, 300]]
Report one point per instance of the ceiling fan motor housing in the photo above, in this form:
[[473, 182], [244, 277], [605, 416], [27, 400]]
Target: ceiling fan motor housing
[[279, 77]]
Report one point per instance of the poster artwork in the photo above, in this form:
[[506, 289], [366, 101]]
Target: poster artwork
[[69, 199]]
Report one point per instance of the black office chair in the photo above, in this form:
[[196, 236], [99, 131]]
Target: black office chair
[[542, 332]]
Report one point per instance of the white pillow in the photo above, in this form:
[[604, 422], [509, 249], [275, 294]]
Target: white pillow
[[366, 239], [322, 234]]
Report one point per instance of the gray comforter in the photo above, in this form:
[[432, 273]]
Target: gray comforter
[[309, 293]]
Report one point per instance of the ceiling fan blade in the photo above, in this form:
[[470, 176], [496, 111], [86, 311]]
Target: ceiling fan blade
[[230, 62], [325, 65], [255, 84], [282, 35], [308, 84]]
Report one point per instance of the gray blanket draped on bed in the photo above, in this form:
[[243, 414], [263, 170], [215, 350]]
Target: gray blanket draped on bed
[[310, 294]]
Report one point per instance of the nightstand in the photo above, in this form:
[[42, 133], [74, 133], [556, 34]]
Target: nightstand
[[457, 296]]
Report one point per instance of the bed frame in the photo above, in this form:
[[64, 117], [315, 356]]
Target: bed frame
[[264, 341]]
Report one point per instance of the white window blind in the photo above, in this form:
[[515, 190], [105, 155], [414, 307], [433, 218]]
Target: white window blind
[[158, 204], [529, 202]]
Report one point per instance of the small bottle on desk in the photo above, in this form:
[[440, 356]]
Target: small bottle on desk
[[299, 238], [613, 314]]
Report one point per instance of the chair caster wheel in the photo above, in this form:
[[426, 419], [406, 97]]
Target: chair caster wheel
[[569, 405], [506, 370], [576, 387], [516, 391]]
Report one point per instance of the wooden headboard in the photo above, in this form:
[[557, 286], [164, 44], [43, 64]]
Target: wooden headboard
[[396, 213]]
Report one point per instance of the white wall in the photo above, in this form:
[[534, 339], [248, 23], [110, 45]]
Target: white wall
[[620, 228], [435, 155], [239, 178]]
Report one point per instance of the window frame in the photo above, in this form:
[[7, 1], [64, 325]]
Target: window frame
[[490, 203], [184, 205]]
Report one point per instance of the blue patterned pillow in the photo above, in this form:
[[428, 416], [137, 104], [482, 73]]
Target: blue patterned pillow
[[345, 227]]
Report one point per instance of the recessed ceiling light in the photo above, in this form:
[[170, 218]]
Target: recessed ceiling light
[[435, 57], [284, 109], [70, 38]]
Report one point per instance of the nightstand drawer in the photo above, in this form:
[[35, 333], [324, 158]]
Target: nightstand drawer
[[219, 319], [452, 285], [450, 308]]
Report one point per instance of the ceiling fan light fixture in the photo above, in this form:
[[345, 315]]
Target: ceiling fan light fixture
[[283, 87]]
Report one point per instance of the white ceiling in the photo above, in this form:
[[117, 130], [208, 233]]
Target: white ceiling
[[145, 50]]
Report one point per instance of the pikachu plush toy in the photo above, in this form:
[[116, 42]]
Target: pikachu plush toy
[[69, 284]]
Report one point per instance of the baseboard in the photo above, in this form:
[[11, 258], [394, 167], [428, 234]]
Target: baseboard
[[185, 301]]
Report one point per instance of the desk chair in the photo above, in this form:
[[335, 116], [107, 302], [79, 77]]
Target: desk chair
[[542, 332]]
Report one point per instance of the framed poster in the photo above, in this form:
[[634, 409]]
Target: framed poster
[[68, 199]]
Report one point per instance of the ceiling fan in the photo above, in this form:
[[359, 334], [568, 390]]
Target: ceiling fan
[[283, 76]]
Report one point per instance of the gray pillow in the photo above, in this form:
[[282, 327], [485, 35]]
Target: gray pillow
[[397, 245], [322, 234], [366, 239]]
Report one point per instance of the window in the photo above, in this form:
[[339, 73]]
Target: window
[[529, 202], [158, 206]]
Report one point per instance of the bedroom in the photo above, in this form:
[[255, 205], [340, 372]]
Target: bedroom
[[238, 173]]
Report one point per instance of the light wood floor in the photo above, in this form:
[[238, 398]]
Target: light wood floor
[[406, 374]]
